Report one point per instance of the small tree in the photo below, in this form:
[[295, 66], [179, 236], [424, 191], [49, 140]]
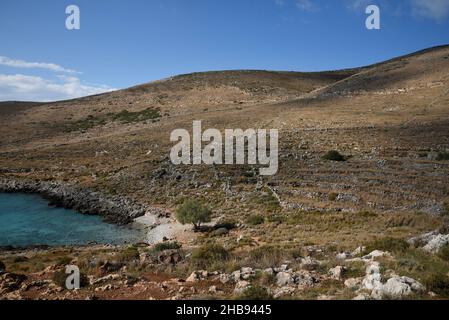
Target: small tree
[[192, 211]]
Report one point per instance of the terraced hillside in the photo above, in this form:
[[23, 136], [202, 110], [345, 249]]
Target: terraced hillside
[[389, 120]]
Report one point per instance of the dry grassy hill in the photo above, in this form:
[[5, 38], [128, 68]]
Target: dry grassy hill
[[391, 120]]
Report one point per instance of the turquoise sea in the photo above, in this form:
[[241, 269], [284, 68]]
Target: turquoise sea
[[26, 219]]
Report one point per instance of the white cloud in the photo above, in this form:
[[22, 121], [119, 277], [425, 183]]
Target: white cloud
[[32, 88], [306, 5], [434, 9], [5, 61]]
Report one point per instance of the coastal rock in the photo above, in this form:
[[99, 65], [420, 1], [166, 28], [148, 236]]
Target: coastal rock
[[112, 208]]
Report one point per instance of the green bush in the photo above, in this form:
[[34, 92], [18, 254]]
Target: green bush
[[128, 254], [255, 220], [60, 278], [255, 293], [209, 254], [443, 155], [444, 253], [166, 246], [439, 284], [192, 211], [387, 244], [334, 155]]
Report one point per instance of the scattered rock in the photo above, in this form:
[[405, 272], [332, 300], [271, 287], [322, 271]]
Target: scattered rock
[[224, 278], [284, 279], [109, 277], [111, 266], [376, 254], [194, 277], [353, 283], [337, 272], [283, 291], [241, 286], [10, 282], [308, 263], [247, 273], [171, 256], [400, 287], [304, 279], [436, 243]]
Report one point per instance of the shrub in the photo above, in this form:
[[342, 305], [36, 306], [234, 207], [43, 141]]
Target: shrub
[[209, 254], [128, 254], [64, 260], [255, 220], [255, 293], [387, 244], [166, 246], [266, 257], [334, 155], [444, 253], [443, 155], [60, 278], [438, 283], [192, 211]]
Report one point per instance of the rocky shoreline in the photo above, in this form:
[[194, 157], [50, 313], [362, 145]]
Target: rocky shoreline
[[114, 209]]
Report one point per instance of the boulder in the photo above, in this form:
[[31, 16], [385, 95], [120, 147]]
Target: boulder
[[111, 266], [224, 278], [337, 272], [236, 276], [247, 273], [241, 286], [353, 283], [194, 277], [284, 279], [436, 243], [400, 287], [376, 254], [309, 263], [304, 279], [373, 278], [171, 256]]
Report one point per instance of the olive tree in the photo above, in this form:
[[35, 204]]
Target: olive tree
[[194, 212]]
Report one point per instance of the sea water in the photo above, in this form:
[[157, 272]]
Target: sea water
[[26, 219]]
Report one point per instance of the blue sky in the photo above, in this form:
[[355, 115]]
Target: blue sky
[[124, 43]]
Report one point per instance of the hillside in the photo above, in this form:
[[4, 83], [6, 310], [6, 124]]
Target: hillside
[[394, 113], [390, 121]]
